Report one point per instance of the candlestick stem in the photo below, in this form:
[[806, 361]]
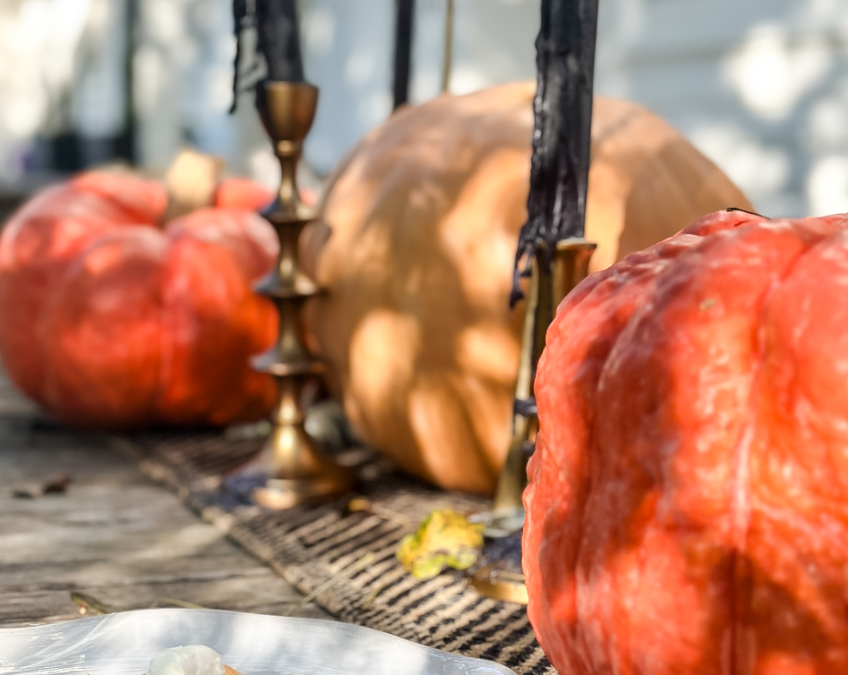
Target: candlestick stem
[[293, 469]]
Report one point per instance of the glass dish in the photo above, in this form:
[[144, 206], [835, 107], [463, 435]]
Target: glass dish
[[253, 644]]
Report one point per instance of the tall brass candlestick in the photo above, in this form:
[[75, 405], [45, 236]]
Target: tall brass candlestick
[[499, 575], [297, 471]]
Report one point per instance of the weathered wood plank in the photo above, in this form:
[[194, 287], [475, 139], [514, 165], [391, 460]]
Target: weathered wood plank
[[113, 535], [260, 594], [92, 574]]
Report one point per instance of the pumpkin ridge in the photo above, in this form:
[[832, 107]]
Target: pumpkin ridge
[[104, 185], [741, 497], [819, 235], [740, 567], [746, 437]]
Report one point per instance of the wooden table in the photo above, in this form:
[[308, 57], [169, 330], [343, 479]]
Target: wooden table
[[113, 535]]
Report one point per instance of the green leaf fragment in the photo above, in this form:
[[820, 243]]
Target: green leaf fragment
[[444, 539]]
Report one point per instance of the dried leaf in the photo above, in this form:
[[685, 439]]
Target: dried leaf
[[57, 484], [27, 491], [444, 539]]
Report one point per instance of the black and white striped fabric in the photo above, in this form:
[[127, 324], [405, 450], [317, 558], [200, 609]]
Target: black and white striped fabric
[[349, 555]]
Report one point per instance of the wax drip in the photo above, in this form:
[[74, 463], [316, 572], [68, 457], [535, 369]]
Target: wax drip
[[277, 43]]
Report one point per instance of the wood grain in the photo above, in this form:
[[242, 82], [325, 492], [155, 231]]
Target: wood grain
[[114, 535]]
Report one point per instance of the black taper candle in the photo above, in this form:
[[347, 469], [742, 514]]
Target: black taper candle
[[559, 174], [278, 39], [405, 11]]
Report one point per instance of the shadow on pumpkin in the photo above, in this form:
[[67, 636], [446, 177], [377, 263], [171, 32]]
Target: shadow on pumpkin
[[673, 599], [406, 278], [655, 591]]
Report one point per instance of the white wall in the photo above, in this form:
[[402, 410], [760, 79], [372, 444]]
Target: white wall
[[183, 78], [348, 52], [60, 66], [183, 72], [492, 44], [761, 86]]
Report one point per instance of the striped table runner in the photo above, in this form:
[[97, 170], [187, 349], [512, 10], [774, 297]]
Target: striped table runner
[[348, 555]]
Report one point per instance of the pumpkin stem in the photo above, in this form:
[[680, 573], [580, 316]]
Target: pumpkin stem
[[191, 181], [753, 213]]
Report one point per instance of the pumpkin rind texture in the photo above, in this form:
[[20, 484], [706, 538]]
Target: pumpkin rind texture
[[687, 510], [108, 321], [424, 218]]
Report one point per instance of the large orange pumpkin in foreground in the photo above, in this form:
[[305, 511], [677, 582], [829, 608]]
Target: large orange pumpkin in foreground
[[424, 217], [687, 512], [107, 320]]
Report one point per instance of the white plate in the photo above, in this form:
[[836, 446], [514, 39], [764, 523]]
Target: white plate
[[123, 644]]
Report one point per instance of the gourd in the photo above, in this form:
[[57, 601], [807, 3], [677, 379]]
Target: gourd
[[423, 219], [109, 320], [687, 509]]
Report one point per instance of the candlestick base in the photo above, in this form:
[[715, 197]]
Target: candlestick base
[[291, 471], [272, 492], [281, 494], [498, 573]]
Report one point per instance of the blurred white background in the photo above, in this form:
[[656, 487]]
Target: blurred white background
[[760, 86]]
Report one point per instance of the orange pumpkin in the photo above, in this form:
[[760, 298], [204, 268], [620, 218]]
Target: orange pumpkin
[[687, 511], [107, 320], [424, 217]]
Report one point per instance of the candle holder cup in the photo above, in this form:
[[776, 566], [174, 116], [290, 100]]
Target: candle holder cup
[[290, 469]]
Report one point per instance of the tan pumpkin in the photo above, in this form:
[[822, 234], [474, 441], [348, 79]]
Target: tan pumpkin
[[424, 217]]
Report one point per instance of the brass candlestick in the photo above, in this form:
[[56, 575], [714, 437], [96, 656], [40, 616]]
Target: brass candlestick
[[294, 470], [499, 573]]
